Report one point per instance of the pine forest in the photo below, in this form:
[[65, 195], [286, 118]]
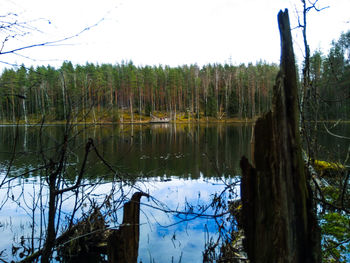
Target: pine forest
[[125, 92]]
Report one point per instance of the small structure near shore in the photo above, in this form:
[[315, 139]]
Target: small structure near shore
[[155, 119]]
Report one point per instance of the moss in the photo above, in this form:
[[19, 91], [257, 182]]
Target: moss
[[321, 166]]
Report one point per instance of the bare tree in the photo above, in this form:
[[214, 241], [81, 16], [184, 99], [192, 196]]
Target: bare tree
[[307, 96]]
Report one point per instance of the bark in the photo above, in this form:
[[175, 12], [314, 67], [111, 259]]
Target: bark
[[123, 244], [24, 110], [278, 214], [51, 233], [131, 108]]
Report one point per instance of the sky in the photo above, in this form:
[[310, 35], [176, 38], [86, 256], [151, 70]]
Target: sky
[[166, 32]]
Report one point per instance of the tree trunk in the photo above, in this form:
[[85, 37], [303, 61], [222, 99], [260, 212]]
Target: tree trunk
[[278, 214], [24, 110], [51, 233], [123, 244], [64, 97], [131, 108]]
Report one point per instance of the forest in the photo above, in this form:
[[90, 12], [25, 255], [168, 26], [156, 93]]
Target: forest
[[106, 92], [213, 90], [287, 101]]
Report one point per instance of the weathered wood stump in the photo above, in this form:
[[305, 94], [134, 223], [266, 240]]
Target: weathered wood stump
[[278, 215], [123, 244]]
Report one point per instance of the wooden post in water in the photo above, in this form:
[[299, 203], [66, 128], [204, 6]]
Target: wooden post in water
[[278, 215]]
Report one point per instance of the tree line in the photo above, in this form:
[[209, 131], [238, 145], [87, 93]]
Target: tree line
[[328, 97], [216, 90]]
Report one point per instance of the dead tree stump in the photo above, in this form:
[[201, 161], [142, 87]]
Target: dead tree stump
[[123, 244], [278, 215]]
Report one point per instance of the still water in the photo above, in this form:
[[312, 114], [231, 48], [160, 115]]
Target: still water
[[178, 165], [184, 151]]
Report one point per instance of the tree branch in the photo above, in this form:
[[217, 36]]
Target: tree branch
[[12, 51], [82, 170]]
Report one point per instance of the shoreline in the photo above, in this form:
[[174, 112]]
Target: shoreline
[[50, 123], [147, 121]]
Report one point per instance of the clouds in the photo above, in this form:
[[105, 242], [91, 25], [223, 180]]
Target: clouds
[[185, 240], [171, 32]]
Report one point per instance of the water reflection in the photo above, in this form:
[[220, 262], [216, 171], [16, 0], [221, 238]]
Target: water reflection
[[161, 150], [163, 236], [165, 241], [176, 164]]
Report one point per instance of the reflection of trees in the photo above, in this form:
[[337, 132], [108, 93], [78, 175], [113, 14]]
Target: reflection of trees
[[58, 196], [181, 150], [57, 191], [161, 144]]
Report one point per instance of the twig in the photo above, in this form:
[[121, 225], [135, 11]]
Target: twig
[[335, 135]]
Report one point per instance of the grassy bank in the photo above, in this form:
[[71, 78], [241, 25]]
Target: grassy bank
[[124, 117]]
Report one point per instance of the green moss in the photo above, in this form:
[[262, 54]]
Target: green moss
[[321, 166]]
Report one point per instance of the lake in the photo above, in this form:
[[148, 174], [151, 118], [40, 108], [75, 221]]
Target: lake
[[181, 166], [178, 165]]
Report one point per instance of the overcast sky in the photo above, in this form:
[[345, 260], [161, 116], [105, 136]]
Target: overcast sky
[[167, 32]]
